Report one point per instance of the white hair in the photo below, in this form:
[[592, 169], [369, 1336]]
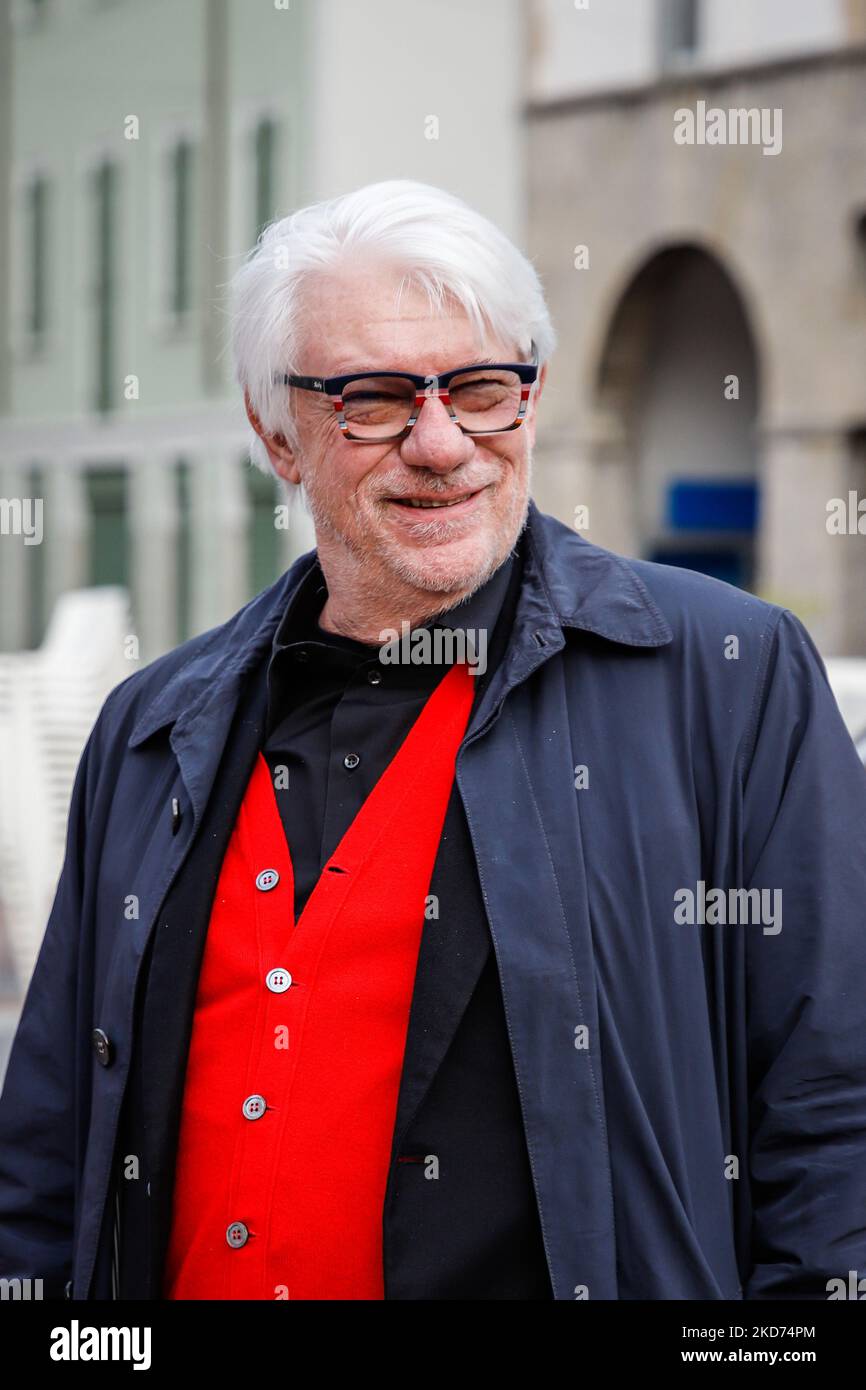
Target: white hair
[[444, 246]]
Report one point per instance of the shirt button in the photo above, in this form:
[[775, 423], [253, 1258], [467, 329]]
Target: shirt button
[[351, 760], [266, 880], [237, 1235], [254, 1107], [374, 677], [278, 981]]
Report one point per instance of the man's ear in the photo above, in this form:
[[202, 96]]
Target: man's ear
[[534, 399], [280, 452]]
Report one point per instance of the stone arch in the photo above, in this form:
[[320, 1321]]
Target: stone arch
[[674, 442]]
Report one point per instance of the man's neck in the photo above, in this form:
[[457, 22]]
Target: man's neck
[[366, 622], [364, 604]]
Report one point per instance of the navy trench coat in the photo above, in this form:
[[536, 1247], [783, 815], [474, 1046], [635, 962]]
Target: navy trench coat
[[692, 1078]]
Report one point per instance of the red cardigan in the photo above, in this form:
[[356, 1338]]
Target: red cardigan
[[299, 1033]]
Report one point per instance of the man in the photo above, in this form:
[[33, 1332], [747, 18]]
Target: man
[[477, 913]]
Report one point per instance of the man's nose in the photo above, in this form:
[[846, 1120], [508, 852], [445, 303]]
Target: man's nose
[[434, 440]]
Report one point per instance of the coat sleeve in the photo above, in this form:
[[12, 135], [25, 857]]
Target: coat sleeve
[[38, 1103], [804, 834]]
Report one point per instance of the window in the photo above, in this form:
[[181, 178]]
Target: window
[[36, 587], [264, 550], [264, 165], [179, 239], [109, 525], [184, 550], [679, 37], [105, 181], [36, 249]]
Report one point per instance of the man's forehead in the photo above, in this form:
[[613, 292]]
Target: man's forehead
[[421, 348], [385, 322]]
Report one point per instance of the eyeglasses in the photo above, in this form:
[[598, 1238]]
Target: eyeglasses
[[372, 407]]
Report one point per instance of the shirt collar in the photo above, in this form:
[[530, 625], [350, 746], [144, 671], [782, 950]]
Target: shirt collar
[[298, 638]]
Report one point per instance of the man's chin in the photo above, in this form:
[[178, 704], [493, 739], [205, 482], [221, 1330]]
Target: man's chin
[[444, 566]]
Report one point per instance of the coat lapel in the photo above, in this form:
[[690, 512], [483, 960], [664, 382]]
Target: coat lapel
[[454, 948]]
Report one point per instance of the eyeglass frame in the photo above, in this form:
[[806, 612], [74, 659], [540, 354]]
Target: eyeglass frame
[[334, 386]]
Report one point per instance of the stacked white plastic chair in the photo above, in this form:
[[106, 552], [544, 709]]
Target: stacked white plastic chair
[[847, 676], [49, 700]]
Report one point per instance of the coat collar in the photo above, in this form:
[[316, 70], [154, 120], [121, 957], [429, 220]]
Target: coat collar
[[567, 582], [590, 588]]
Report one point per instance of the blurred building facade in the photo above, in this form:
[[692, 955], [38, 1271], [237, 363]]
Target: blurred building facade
[[145, 145], [708, 398]]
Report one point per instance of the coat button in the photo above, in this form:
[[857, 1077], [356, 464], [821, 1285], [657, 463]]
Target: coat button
[[374, 677], [67, 1291], [351, 760], [237, 1235], [266, 880], [278, 981], [102, 1046], [254, 1107]]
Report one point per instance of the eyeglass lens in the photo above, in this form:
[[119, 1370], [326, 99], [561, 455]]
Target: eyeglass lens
[[482, 400]]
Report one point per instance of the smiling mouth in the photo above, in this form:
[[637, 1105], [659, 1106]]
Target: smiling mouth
[[424, 503]]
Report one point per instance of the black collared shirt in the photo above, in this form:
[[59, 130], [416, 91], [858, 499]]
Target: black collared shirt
[[337, 714]]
